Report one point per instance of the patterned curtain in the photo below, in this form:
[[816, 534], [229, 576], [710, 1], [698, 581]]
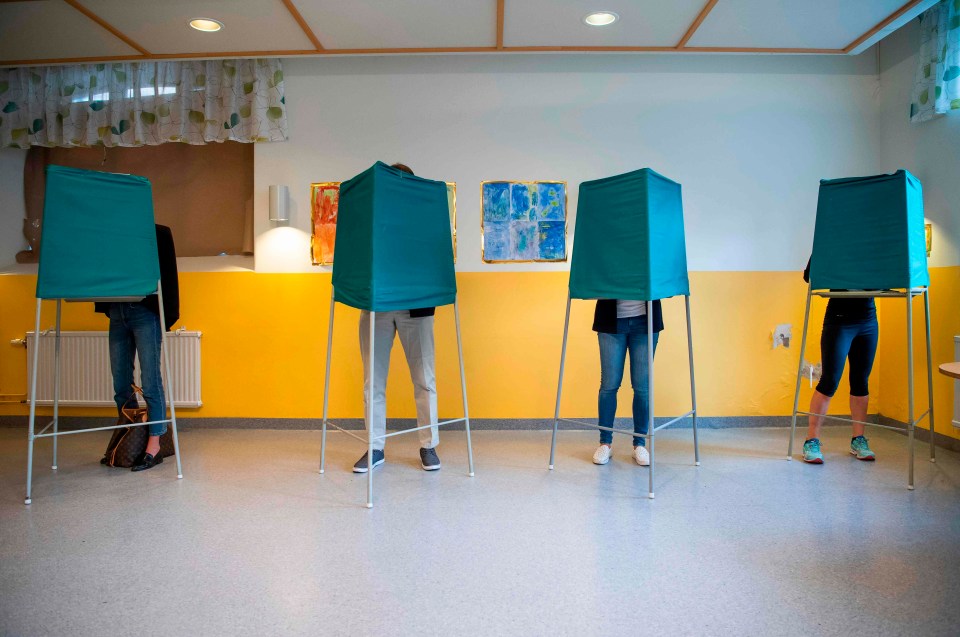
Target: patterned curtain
[[137, 103], [936, 85]]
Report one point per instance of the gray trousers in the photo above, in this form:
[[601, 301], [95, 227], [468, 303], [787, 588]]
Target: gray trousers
[[416, 337]]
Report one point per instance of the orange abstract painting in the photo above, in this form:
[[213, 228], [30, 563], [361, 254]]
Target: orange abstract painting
[[324, 202]]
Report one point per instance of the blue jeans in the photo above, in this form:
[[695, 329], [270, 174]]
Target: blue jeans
[[856, 341], [135, 329], [631, 336]]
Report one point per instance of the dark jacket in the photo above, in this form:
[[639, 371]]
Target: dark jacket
[[605, 316], [841, 311], [423, 311], [168, 279]]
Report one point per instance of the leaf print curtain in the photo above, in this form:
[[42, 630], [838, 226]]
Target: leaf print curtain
[[137, 103], [936, 85]]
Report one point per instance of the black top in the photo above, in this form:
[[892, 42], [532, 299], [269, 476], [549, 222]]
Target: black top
[[846, 311], [168, 279], [423, 311], [605, 317]]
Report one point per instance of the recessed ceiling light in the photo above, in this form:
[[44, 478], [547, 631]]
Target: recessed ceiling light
[[208, 25], [600, 18]]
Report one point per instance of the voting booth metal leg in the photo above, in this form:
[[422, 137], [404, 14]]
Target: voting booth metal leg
[[651, 429], [910, 422], [56, 384], [33, 405], [926, 312], [693, 385], [796, 392], [326, 385], [372, 368], [463, 387], [169, 381], [563, 359]]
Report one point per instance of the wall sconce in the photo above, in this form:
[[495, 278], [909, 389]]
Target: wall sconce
[[279, 210], [928, 233]]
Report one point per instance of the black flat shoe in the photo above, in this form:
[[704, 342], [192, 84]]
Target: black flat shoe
[[103, 460], [148, 462]]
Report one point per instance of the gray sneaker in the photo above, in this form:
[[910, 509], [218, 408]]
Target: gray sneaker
[[429, 459], [378, 459]]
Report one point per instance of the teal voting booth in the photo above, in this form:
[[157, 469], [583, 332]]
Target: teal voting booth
[[98, 244], [869, 241], [394, 252], [629, 244]]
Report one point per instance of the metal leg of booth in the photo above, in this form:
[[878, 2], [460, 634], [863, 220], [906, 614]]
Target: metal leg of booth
[[926, 312], [910, 422], [651, 430], [563, 359], [33, 405], [796, 392], [693, 384], [372, 368], [326, 384], [56, 385], [168, 381], [463, 388]]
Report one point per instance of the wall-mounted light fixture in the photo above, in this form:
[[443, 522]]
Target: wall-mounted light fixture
[[279, 211]]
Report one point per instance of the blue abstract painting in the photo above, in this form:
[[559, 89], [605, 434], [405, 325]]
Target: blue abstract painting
[[524, 221]]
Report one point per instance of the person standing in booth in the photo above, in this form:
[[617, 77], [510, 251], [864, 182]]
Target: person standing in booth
[[621, 327], [415, 328], [135, 330], [849, 331]]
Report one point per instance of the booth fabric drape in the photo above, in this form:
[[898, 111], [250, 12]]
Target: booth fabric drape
[[936, 85], [138, 103]]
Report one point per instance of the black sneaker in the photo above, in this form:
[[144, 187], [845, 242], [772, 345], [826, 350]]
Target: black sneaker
[[429, 459], [361, 466]]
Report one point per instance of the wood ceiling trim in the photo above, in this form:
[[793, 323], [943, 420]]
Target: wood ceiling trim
[[707, 8], [880, 25], [303, 24], [106, 25], [500, 8]]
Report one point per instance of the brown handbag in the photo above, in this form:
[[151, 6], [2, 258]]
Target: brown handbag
[[127, 444]]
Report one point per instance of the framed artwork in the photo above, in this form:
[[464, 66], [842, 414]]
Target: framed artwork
[[523, 221], [324, 203]]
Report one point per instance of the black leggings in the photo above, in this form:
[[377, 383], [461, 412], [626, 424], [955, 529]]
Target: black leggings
[[858, 341]]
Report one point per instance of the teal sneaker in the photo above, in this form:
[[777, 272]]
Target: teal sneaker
[[860, 449], [811, 451]]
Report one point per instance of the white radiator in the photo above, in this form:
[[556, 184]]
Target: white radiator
[[85, 378]]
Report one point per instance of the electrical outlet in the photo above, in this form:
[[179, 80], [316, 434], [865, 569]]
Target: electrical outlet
[[781, 335], [811, 371]]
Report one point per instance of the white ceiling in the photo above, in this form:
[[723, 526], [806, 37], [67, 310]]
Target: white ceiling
[[53, 30]]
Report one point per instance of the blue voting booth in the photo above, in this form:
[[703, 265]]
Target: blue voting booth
[[629, 244], [98, 244], [394, 252], [869, 241]]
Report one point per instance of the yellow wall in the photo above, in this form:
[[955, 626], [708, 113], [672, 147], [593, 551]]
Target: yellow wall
[[264, 342], [892, 356]]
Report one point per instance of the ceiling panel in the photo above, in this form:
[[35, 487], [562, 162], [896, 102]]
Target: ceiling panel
[[51, 29], [560, 22], [363, 24], [814, 24], [160, 26]]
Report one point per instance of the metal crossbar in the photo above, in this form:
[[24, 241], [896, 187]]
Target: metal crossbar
[[400, 431], [651, 429], [909, 295], [83, 431]]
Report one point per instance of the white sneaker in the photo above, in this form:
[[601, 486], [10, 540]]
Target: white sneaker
[[642, 456], [602, 454]]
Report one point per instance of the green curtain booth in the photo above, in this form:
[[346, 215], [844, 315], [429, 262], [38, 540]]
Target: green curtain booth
[[394, 248], [99, 239], [629, 241], [869, 234]]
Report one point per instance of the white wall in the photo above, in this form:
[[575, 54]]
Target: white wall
[[747, 136], [930, 150], [12, 210]]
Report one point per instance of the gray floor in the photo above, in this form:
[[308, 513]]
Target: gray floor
[[254, 542]]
